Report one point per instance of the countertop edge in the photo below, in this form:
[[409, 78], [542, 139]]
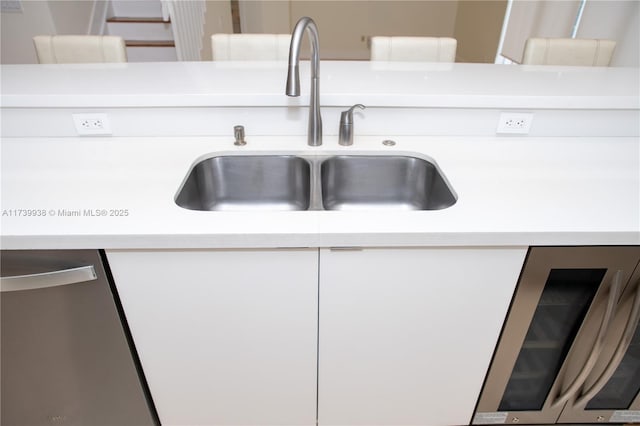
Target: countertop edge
[[287, 241]]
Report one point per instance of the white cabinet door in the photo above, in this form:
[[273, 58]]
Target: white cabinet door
[[406, 335], [225, 337]]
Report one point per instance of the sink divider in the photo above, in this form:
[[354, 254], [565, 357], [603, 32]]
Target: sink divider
[[315, 186]]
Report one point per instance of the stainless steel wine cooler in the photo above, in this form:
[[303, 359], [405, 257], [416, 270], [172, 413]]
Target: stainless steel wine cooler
[[570, 348]]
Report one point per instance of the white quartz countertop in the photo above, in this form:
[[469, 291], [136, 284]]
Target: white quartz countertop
[[119, 193], [189, 84]]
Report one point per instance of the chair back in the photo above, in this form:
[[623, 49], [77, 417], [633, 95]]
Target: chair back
[[568, 51], [69, 49], [425, 49]]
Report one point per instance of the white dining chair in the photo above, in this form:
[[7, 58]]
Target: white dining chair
[[424, 49], [67, 49], [568, 51], [250, 47]]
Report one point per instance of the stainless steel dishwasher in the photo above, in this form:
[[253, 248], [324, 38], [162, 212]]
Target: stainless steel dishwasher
[[67, 357]]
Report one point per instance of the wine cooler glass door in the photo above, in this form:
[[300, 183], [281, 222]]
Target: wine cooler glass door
[[562, 314], [611, 393]]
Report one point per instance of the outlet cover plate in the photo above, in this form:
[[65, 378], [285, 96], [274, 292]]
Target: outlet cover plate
[[514, 123], [92, 124]]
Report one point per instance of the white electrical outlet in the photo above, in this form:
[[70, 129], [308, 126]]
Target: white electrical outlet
[[514, 123], [92, 124]]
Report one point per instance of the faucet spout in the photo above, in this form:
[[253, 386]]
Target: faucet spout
[[314, 137]]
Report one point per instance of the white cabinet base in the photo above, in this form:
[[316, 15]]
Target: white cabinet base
[[406, 335], [225, 337], [230, 337]]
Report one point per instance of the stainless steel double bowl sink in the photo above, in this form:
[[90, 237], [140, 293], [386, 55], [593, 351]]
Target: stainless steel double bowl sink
[[299, 182]]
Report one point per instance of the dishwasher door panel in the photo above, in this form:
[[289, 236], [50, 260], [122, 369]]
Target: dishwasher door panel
[[65, 356]]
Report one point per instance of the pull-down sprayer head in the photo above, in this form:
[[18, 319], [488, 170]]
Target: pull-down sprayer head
[[293, 75]]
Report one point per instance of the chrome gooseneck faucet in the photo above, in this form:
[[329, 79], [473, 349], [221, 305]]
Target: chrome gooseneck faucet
[[314, 137]]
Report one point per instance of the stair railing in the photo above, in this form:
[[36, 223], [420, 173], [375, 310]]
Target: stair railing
[[187, 21]]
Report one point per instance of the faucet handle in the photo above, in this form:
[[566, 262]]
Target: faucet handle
[[347, 116], [346, 125]]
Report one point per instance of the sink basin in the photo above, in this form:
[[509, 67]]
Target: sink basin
[[289, 182], [264, 182], [383, 182]]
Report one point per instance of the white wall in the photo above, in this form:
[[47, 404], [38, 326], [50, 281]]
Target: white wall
[[18, 28], [71, 16], [217, 20], [39, 17], [616, 20], [265, 16], [346, 25], [477, 29]]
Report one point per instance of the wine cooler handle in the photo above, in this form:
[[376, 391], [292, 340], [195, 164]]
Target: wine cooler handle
[[614, 291], [621, 350], [48, 279]]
